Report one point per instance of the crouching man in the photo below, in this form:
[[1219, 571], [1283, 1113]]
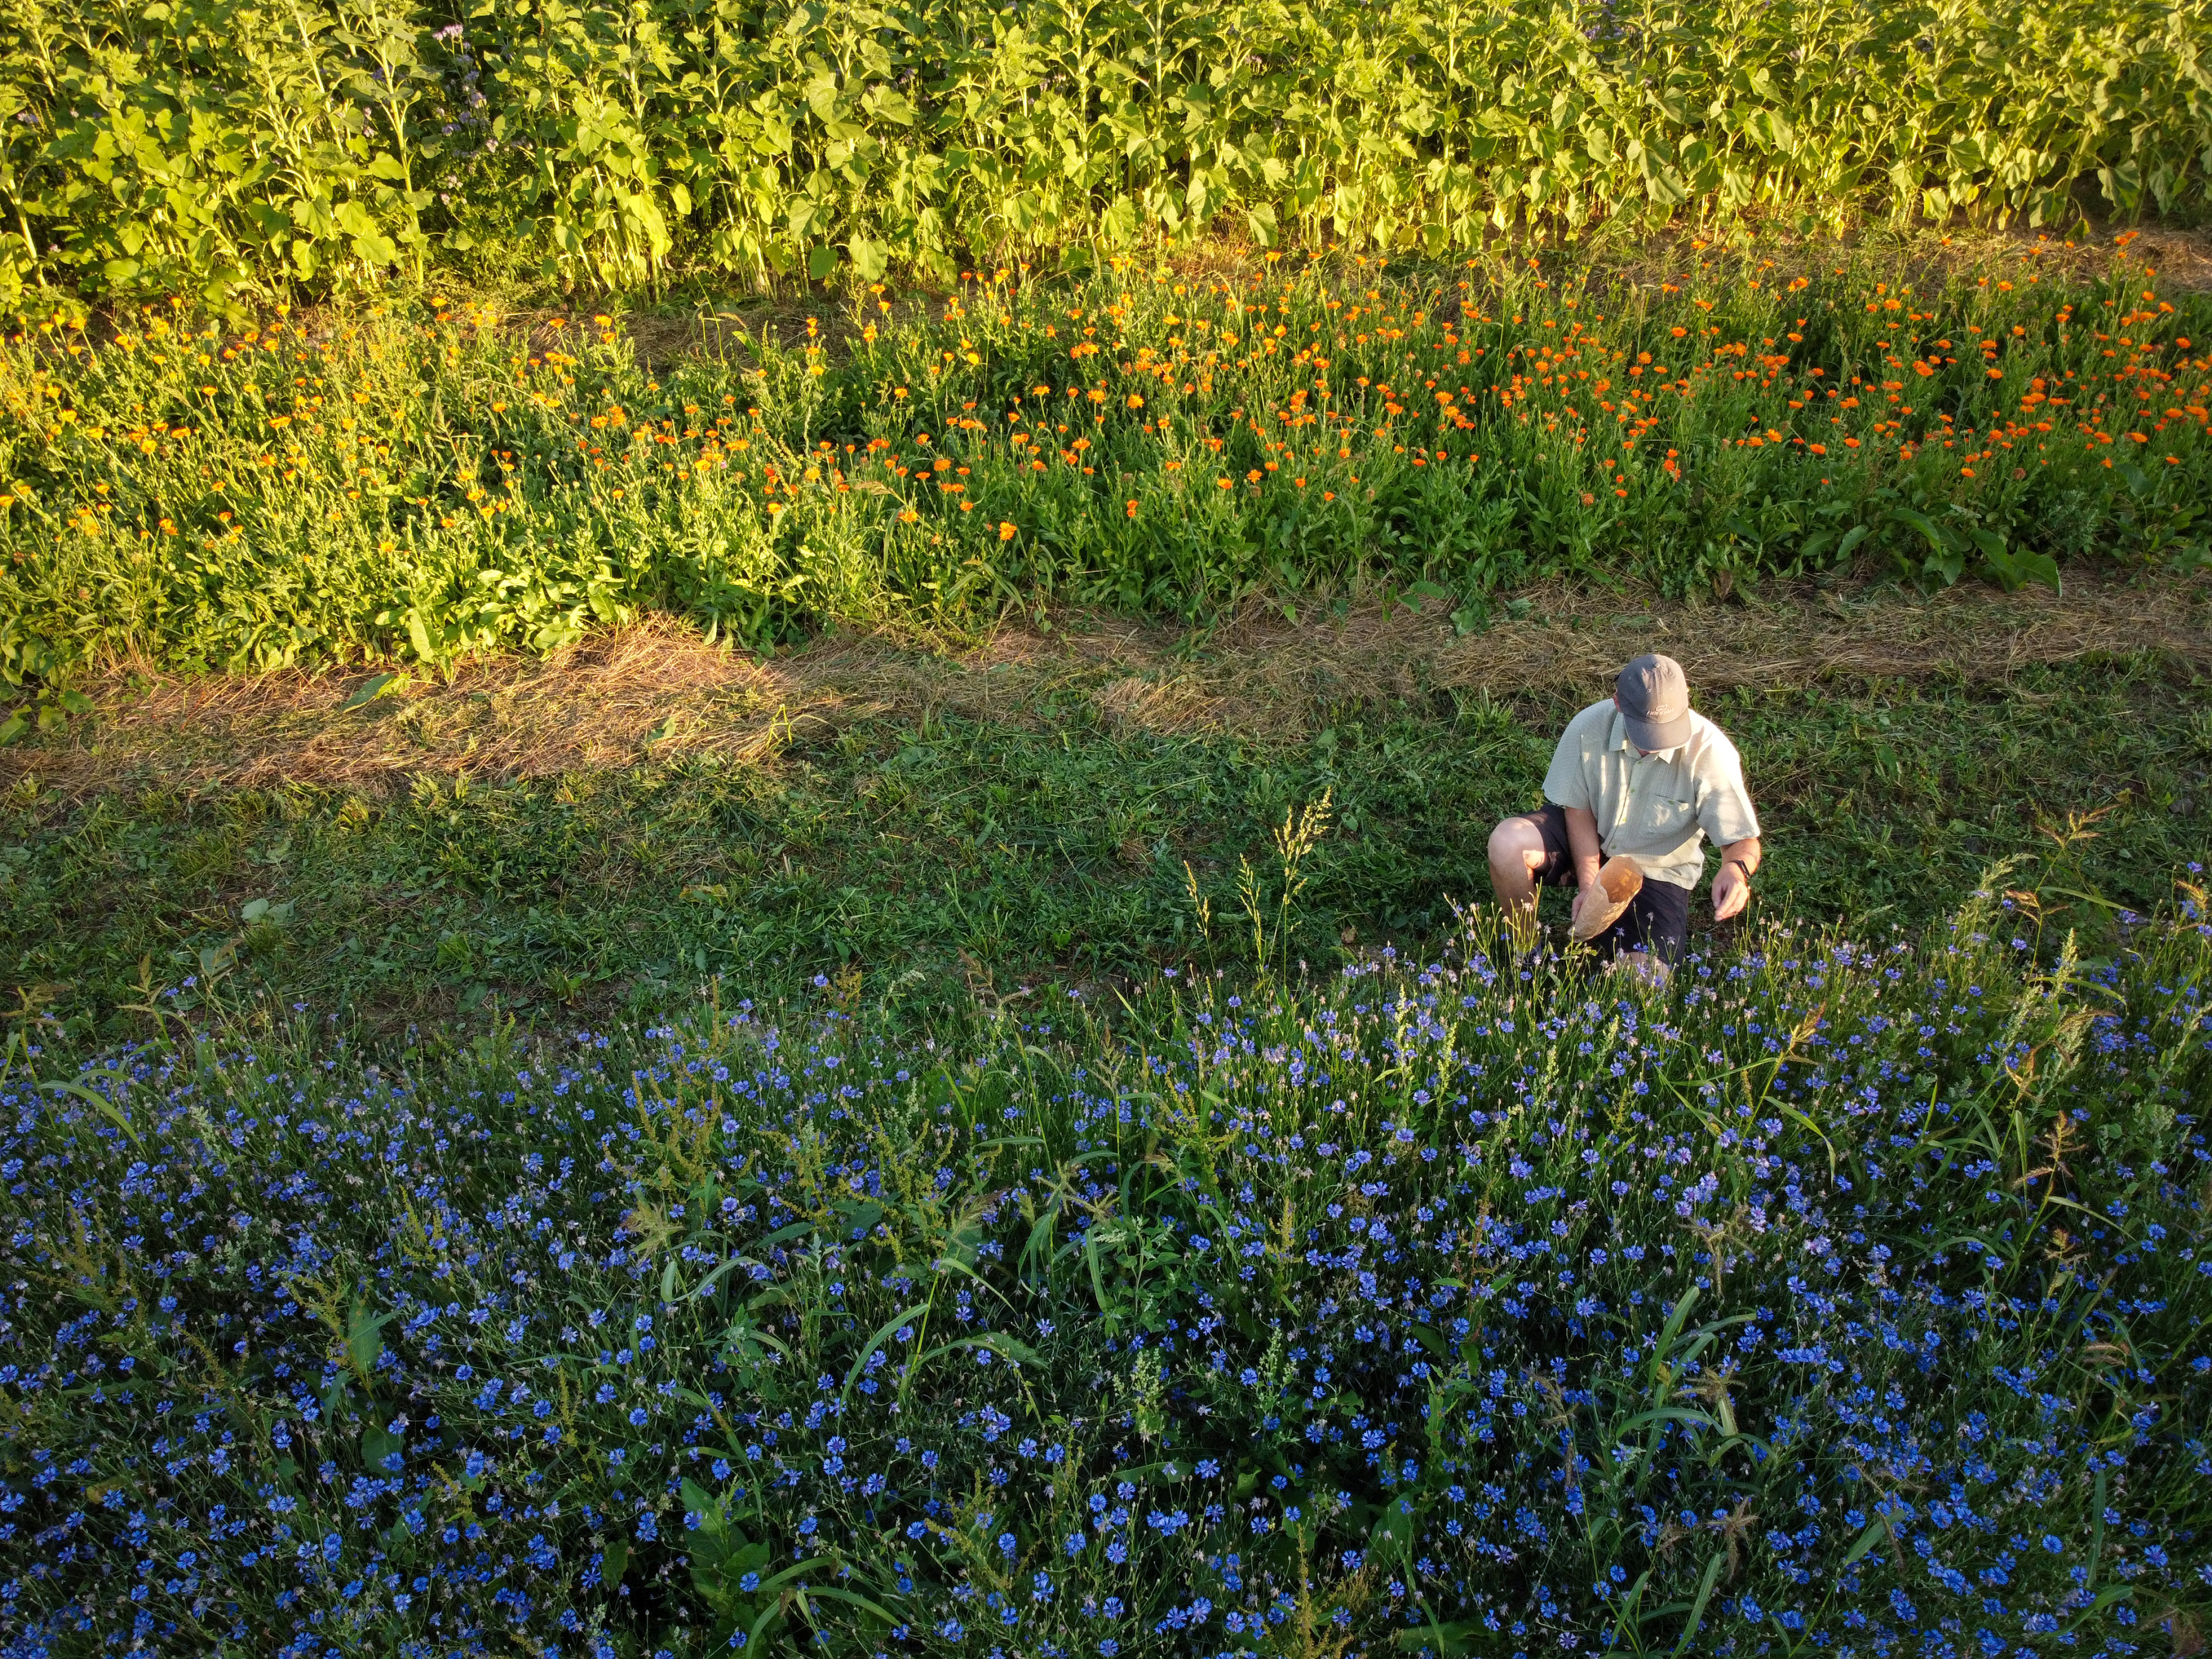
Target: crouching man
[[1638, 777]]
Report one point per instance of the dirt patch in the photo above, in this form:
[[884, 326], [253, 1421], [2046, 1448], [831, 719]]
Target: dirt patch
[[658, 690]]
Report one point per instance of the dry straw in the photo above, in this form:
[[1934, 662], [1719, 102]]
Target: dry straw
[[657, 690]]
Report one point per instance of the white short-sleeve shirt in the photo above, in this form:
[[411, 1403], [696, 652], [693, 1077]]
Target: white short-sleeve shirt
[[1659, 808]]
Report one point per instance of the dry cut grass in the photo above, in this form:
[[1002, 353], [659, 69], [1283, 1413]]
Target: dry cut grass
[[657, 690]]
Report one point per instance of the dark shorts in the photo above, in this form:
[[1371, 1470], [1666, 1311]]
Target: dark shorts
[[1657, 919]]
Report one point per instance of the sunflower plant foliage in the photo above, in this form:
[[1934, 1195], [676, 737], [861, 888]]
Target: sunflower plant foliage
[[214, 145]]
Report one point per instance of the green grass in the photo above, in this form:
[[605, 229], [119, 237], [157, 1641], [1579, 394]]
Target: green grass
[[1045, 843]]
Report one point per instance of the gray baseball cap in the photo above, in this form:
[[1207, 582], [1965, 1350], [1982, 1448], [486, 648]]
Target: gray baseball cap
[[1655, 702]]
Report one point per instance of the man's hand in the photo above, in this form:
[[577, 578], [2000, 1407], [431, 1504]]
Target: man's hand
[[1590, 893], [1731, 892], [1732, 882]]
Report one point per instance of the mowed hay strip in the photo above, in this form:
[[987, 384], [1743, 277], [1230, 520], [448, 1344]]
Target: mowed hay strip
[[1268, 671], [658, 689], [1976, 635]]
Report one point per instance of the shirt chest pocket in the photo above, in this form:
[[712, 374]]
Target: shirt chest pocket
[[1665, 816]]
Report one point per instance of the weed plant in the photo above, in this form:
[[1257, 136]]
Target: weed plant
[[389, 482], [1838, 1299], [215, 145]]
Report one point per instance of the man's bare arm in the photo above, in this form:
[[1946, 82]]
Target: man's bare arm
[[1582, 840], [1740, 861]]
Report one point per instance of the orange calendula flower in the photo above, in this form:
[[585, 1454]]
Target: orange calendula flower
[[1006, 532]]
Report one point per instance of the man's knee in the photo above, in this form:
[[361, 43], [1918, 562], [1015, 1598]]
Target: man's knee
[[1516, 843]]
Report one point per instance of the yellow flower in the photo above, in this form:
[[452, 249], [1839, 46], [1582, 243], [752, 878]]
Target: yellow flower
[[1006, 532]]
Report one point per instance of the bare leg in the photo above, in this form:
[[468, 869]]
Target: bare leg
[[1517, 853]]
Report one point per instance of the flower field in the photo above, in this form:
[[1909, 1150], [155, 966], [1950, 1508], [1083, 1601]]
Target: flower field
[[494, 1221], [412, 483], [215, 146], [1846, 1299]]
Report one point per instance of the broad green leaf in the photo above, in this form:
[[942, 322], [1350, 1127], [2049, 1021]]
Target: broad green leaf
[[1876, 1530], [1698, 1607], [365, 1338], [377, 1445], [375, 686]]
